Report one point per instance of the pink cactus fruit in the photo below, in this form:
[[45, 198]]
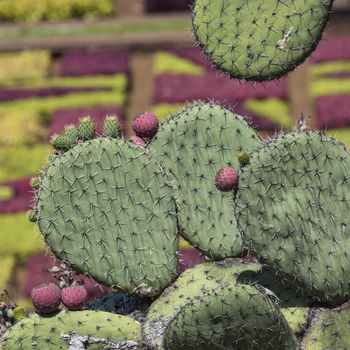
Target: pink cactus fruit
[[146, 125], [46, 298], [226, 179], [138, 141], [74, 297]]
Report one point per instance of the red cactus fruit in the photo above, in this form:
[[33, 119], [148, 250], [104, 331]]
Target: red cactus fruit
[[146, 125], [138, 141], [74, 297], [226, 179], [46, 298]]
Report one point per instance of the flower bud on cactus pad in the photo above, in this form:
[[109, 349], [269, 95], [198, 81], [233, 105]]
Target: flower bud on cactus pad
[[86, 129], [111, 127], [138, 141], [74, 297], [146, 125], [243, 158], [46, 298], [226, 179]]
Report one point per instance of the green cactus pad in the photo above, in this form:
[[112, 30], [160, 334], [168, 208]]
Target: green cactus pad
[[294, 304], [205, 309], [53, 333], [259, 40], [106, 208], [293, 211], [330, 330], [194, 145]]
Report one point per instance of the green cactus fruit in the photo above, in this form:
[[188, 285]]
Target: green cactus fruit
[[193, 146], [206, 309], [107, 209], [295, 306], [243, 158], [35, 182], [86, 129], [32, 215], [292, 211], [59, 143], [260, 40], [73, 330], [111, 127], [71, 134], [329, 329]]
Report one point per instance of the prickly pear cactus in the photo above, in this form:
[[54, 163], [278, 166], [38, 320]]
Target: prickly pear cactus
[[330, 329], [292, 210], [295, 306], [206, 309], [259, 40], [194, 144], [106, 207], [74, 331]]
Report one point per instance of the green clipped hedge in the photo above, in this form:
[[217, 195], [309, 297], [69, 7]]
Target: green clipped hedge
[[19, 238], [16, 66], [53, 10]]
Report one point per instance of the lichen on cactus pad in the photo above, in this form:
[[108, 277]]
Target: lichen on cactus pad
[[329, 329], [259, 40], [193, 146], [206, 309], [292, 209], [69, 330], [106, 208]]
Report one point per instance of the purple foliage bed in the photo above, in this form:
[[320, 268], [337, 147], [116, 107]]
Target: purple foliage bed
[[181, 88], [22, 197], [333, 112], [16, 94], [333, 48], [94, 63], [64, 117]]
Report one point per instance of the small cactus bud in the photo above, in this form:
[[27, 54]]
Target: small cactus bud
[[35, 182], [243, 158], [111, 127], [86, 129]]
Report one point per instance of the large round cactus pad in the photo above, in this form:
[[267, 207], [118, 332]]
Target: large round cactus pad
[[259, 40], [106, 208], [67, 330], [293, 211], [206, 309], [194, 145]]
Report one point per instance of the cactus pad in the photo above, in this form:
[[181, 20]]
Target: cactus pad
[[295, 306], [292, 209], [205, 309], [194, 145], [330, 330], [61, 330], [105, 207], [259, 40]]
